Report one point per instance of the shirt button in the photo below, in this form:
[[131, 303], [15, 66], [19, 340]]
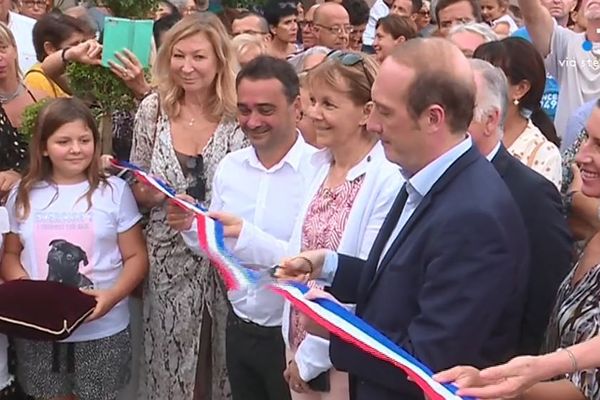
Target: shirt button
[[368, 158]]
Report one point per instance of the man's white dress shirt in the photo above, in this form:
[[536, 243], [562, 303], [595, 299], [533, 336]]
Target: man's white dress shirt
[[22, 29]]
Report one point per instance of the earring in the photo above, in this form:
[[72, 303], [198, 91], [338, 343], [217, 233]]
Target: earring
[[516, 102]]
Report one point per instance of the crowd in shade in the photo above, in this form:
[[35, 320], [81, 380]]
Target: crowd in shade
[[431, 166]]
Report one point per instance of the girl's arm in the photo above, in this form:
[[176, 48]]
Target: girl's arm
[[135, 267], [11, 268]]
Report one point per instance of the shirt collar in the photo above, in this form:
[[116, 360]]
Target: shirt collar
[[324, 157], [292, 157], [424, 180], [494, 151]]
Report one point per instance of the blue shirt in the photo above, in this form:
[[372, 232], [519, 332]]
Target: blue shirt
[[550, 97]]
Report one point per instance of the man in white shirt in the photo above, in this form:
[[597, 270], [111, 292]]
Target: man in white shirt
[[265, 185], [22, 28], [572, 58]]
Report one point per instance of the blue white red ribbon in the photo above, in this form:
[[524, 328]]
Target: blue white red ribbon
[[328, 314], [210, 233], [350, 328]]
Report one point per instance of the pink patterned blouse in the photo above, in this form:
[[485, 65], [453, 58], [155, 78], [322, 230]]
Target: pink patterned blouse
[[323, 227]]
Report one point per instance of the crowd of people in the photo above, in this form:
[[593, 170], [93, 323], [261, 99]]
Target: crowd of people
[[432, 166]]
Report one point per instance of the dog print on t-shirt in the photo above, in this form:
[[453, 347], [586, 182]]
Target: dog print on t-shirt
[[64, 242]]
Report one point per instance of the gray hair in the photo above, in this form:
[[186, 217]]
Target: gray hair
[[494, 93], [477, 28]]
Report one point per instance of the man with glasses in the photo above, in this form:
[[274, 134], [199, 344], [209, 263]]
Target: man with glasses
[[332, 26], [35, 9], [250, 23], [262, 186]]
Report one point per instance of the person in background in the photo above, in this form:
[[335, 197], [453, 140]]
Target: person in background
[[550, 242], [307, 26], [423, 16], [380, 9], [529, 134], [578, 21], [250, 23], [283, 26], [181, 132], [332, 26], [495, 13], [247, 47], [392, 30], [35, 9], [358, 10], [22, 30], [53, 33], [455, 12], [161, 27], [469, 37], [164, 9]]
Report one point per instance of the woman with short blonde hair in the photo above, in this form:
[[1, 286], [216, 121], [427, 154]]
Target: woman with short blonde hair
[[181, 133]]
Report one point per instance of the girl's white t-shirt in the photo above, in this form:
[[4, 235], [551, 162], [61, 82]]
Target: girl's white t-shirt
[[507, 19], [64, 240]]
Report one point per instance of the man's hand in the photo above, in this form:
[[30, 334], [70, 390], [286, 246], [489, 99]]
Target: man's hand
[[178, 217], [292, 377], [232, 225]]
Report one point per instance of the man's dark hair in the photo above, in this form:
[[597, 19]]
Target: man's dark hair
[[275, 10], [162, 25], [442, 4], [56, 28], [264, 25], [358, 10], [267, 67]]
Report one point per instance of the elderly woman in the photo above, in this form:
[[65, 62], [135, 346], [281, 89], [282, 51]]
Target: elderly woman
[[468, 37], [181, 133]]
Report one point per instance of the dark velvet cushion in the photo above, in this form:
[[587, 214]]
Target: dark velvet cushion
[[42, 310]]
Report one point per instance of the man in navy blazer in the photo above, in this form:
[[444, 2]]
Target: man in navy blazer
[[550, 241], [446, 276]]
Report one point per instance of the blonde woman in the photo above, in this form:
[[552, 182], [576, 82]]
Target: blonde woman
[[181, 133]]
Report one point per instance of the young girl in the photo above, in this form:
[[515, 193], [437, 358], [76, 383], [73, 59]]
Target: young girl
[[71, 224], [495, 13]]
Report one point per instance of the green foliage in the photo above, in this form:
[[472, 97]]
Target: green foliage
[[98, 85], [247, 4], [134, 9], [29, 117]]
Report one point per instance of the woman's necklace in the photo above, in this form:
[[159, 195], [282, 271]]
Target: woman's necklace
[[5, 98]]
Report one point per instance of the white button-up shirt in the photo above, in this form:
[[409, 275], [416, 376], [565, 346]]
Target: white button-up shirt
[[269, 199]]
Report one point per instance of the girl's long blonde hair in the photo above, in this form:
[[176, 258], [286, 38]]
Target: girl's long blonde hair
[[55, 114], [222, 101]]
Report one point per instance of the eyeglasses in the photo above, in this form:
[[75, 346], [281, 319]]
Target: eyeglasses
[[306, 24], [350, 60], [337, 30], [33, 3]]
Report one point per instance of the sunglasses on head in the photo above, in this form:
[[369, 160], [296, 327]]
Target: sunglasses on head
[[350, 60]]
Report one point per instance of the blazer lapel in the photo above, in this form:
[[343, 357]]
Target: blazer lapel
[[462, 162]]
